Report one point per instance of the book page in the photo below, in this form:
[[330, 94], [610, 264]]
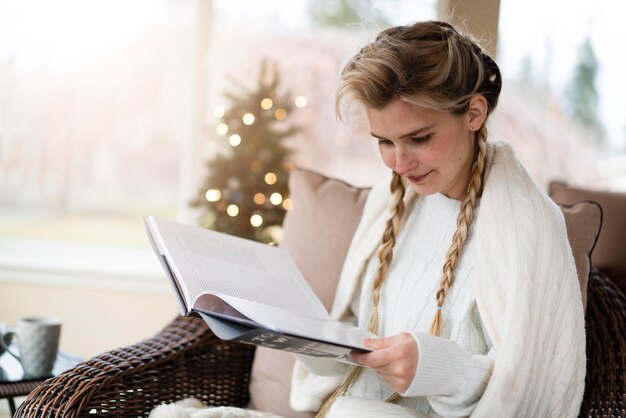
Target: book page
[[212, 262], [175, 284]]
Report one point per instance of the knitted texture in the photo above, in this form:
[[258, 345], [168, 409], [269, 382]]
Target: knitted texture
[[527, 293]]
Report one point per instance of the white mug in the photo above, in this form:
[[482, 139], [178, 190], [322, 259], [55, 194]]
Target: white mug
[[38, 342]]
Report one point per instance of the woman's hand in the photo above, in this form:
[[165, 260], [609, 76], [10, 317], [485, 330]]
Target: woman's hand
[[394, 359]]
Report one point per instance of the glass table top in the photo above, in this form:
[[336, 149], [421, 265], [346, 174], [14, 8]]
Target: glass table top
[[11, 369]]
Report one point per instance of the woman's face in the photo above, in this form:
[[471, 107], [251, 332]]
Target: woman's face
[[432, 149]]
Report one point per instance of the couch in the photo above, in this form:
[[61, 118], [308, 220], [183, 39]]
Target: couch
[[186, 359]]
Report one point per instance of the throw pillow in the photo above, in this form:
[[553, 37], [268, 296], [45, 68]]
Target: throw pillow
[[610, 251], [317, 233], [583, 222]]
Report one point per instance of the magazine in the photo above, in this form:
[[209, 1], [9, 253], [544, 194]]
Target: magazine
[[249, 292]]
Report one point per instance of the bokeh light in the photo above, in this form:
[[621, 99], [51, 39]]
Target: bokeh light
[[256, 220], [248, 119], [301, 101], [270, 178], [276, 198], [267, 103], [280, 114], [213, 195], [232, 210], [234, 140], [222, 129], [259, 198]]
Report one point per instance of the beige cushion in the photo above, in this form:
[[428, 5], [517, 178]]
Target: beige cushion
[[610, 251], [318, 231], [583, 222]]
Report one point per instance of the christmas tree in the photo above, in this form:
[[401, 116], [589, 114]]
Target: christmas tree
[[245, 193]]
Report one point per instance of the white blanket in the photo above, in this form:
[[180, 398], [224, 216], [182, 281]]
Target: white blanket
[[527, 292], [193, 408]]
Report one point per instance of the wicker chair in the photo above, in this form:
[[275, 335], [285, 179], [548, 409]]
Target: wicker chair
[[185, 359]]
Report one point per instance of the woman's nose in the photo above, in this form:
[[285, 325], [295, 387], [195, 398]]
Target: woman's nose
[[405, 163]]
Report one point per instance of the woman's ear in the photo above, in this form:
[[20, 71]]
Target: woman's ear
[[477, 112]]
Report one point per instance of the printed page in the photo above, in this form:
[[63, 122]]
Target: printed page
[[212, 262]]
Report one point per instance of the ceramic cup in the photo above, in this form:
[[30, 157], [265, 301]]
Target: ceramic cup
[[38, 342], [5, 338]]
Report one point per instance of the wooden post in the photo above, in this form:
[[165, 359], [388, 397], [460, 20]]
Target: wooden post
[[478, 17], [191, 164]]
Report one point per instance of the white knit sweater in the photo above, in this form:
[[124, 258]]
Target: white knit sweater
[[408, 304], [527, 294]]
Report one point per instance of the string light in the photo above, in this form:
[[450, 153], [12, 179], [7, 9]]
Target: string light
[[256, 220], [287, 204], [267, 103], [280, 114], [232, 210], [270, 178], [222, 129], [248, 119], [213, 195], [301, 101], [276, 198], [218, 112], [234, 140], [259, 198]]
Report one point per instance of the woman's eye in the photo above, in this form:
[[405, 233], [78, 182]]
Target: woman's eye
[[384, 142], [422, 139]]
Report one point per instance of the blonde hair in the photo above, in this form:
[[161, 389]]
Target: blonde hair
[[429, 64]]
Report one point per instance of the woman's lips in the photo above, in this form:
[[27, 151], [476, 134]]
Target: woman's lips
[[417, 179]]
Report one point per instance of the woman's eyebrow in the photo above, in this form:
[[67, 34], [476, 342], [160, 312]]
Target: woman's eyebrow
[[412, 133]]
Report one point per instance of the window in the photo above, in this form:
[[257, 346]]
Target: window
[[94, 109], [94, 115], [97, 102], [562, 104], [106, 114]]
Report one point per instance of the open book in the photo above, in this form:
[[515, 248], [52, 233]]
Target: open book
[[249, 292]]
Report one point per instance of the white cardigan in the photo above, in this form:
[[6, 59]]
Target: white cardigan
[[526, 289]]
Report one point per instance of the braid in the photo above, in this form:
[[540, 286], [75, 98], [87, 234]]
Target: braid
[[385, 251], [463, 222], [385, 255]]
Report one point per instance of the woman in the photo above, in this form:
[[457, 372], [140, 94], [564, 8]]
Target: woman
[[460, 262]]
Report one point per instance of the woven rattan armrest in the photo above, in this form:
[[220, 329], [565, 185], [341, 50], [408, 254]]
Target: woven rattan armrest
[[185, 359], [605, 384]]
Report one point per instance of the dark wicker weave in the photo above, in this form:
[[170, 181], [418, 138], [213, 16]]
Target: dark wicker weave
[[183, 360], [187, 360], [13, 389], [605, 385], [10, 390]]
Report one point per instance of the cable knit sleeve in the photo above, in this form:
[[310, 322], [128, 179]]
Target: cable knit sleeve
[[452, 379]]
